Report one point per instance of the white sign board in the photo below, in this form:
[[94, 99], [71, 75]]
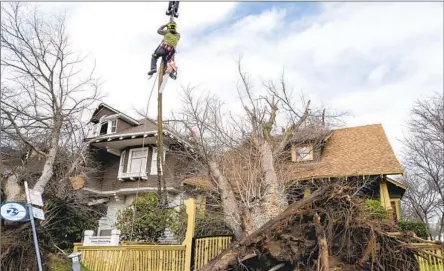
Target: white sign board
[[99, 241], [13, 211], [38, 213], [90, 240], [36, 197]]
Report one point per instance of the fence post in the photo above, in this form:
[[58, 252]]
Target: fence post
[[188, 241]]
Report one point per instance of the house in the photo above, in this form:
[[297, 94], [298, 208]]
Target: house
[[362, 155], [126, 152]]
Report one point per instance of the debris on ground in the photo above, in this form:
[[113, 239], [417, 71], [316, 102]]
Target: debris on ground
[[328, 230]]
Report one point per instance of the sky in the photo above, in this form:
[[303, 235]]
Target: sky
[[371, 59]]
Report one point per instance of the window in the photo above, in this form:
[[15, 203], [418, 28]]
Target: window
[[154, 161], [112, 126], [105, 127], [137, 161], [302, 153]]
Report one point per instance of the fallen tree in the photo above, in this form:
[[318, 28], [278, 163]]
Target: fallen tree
[[328, 230]]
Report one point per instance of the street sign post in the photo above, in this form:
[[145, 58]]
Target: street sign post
[[34, 232]]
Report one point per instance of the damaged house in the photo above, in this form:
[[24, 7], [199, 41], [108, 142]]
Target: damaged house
[[126, 149]]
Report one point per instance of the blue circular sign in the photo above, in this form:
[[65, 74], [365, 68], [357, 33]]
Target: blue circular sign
[[14, 211]]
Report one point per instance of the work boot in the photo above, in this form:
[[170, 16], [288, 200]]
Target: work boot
[[153, 66], [151, 72]]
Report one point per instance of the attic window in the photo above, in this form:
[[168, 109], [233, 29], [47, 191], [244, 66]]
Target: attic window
[[107, 126], [113, 126], [103, 128], [302, 153]]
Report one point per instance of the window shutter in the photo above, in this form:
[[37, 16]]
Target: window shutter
[[122, 163], [154, 162]]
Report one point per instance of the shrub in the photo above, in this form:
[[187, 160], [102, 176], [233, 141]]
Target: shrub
[[415, 226], [375, 209], [149, 223]]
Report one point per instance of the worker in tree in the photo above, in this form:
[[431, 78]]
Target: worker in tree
[[167, 48]]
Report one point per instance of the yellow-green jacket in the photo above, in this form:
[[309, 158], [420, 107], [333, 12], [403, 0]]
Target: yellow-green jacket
[[169, 38]]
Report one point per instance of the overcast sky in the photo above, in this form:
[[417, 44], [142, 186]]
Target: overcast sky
[[371, 59]]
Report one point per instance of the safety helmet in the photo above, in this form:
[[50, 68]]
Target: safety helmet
[[171, 26]]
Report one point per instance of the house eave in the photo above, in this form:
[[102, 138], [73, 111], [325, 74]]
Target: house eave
[[121, 114], [397, 183], [126, 191], [115, 137], [338, 176]]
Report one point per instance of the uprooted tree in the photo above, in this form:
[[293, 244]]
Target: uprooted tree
[[245, 154], [329, 230]]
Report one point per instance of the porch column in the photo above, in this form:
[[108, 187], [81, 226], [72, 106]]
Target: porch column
[[385, 198], [191, 212]]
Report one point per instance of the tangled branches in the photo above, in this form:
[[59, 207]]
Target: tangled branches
[[328, 230]]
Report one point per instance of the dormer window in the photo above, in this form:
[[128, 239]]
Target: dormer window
[[113, 126], [301, 153], [107, 126]]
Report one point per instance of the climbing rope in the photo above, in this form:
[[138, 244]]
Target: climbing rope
[[140, 168]]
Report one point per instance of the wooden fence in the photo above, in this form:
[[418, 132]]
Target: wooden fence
[[134, 257], [429, 262], [193, 254], [207, 248]]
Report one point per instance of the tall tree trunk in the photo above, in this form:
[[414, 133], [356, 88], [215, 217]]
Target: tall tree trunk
[[274, 200], [48, 168], [229, 204]]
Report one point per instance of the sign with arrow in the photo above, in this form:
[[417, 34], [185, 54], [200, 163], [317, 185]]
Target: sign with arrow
[[14, 211]]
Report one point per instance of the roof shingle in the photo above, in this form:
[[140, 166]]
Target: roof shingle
[[353, 151]]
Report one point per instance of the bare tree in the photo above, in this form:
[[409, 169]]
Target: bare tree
[[44, 88], [246, 154], [424, 159]]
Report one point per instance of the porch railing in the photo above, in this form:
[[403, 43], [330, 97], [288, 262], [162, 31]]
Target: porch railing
[[428, 261]]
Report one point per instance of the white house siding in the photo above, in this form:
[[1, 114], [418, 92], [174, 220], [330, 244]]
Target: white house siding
[[113, 207], [174, 200]]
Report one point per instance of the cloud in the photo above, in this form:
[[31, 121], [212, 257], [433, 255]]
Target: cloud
[[372, 59]]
